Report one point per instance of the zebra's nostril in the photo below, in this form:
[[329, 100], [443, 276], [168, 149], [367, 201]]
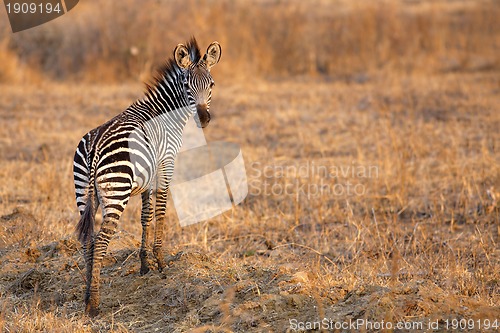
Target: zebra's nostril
[[202, 107]]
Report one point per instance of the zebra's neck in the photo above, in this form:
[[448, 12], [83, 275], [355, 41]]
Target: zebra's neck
[[162, 114], [167, 94]]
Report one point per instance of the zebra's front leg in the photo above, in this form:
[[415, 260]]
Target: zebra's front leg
[[161, 208], [146, 218], [165, 173]]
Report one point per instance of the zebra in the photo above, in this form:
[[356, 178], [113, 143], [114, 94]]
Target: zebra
[[133, 153]]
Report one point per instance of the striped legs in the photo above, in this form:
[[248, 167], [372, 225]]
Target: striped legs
[[89, 260], [165, 172], [88, 253], [146, 218], [161, 207], [112, 208]]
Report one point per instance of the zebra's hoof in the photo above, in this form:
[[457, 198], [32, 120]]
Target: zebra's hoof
[[161, 266], [91, 311], [144, 270]]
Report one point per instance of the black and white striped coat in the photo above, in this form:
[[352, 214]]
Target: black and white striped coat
[[134, 153]]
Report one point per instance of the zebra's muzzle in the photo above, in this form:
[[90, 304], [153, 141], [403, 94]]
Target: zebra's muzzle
[[203, 115]]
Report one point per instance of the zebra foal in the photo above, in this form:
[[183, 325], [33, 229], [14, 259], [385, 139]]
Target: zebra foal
[[133, 153]]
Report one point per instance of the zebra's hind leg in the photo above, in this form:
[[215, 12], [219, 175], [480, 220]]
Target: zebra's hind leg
[[147, 212], [100, 246], [112, 208], [88, 245], [88, 252]]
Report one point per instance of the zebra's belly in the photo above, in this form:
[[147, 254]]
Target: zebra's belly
[[143, 179], [145, 171]]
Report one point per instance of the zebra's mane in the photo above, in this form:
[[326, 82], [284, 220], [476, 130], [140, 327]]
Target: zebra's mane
[[170, 68]]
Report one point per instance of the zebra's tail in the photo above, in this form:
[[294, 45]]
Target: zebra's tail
[[85, 227]]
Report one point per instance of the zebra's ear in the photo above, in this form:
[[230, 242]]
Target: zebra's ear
[[181, 56], [213, 54]]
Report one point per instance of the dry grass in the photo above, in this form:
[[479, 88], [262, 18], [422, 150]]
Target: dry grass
[[113, 41], [418, 242]]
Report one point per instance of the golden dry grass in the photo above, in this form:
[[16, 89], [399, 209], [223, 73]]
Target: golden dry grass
[[419, 244], [114, 41]]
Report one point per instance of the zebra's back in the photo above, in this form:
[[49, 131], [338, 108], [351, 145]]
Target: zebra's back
[[118, 154]]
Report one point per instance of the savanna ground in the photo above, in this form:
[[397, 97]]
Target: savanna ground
[[373, 191]]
